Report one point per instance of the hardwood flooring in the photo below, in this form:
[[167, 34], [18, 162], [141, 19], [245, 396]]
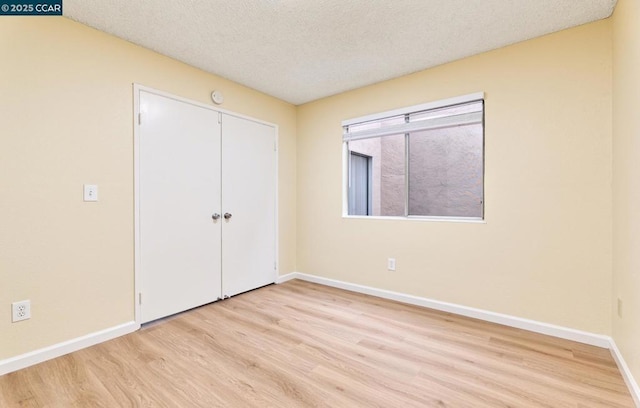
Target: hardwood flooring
[[304, 345]]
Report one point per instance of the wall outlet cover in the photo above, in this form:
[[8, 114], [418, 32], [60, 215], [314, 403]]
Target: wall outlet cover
[[90, 192], [619, 308], [20, 310]]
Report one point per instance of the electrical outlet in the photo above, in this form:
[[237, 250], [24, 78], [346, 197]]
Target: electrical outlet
[[391, 264], [90, 192], [21, 310], [619, 307]]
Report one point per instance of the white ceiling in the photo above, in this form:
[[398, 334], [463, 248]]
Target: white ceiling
[[302, 50]]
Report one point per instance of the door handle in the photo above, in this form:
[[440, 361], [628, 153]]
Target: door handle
[[227, 216], [215, 216]]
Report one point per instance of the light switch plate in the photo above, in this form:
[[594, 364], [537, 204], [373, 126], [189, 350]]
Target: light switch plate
[[90, 192]]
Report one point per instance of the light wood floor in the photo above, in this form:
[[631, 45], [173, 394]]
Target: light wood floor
[[301, 345]]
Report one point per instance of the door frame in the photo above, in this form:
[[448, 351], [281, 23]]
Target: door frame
[[137, 88]]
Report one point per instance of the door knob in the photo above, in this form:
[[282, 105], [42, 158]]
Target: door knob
[[227, 216], [215, 216]]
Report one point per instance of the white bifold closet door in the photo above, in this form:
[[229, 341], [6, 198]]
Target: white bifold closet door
[[206, 205], [249, 197], [179, 180]]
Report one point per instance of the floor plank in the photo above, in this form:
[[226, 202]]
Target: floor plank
[[301, 344]]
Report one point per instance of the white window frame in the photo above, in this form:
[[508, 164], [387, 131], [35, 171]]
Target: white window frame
[[443, 103]]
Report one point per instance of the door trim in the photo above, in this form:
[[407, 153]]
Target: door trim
[[137, 88]]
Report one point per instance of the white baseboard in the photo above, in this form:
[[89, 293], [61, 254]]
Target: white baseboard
[[28, 359], [287, 277], [626, 373], [37, 356], [507, 320], [597, 340]]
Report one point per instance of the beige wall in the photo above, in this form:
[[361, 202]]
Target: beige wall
[[545, 252], [66, 115], [626, 180]]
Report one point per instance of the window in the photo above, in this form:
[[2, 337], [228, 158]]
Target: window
[[422, 161]]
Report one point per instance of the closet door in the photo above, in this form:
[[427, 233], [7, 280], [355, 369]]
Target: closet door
[[249, 204], [179, 192]]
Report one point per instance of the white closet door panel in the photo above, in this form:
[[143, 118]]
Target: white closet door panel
[[249, 195], [179, 178]]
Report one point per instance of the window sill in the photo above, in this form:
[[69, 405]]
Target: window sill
[[420, 219]]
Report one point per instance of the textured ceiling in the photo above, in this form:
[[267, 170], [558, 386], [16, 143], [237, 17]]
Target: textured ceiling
[[302, 50]]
